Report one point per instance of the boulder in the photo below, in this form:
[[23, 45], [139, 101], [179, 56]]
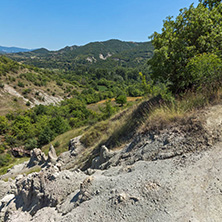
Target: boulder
[[104, 156], [52, 157], [75, 145], [37, 158]]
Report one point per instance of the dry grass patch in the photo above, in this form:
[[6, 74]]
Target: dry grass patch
[[101, 131]]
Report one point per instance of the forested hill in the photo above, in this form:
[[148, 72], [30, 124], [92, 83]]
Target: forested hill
[[107, 54]]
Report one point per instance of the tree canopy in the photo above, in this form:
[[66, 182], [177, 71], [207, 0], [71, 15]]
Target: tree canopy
[[195, 31], [210, 3]]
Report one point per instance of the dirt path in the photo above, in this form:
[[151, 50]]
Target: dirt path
[[129, 99]]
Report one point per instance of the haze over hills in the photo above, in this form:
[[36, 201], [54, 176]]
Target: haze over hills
[[4, 50], [108, 54]]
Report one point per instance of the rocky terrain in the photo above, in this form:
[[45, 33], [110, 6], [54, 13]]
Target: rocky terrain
[[48, 99], [168, 174]]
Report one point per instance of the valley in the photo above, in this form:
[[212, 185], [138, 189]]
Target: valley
[[116, 130]]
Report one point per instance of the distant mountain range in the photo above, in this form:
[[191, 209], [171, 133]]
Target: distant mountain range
[[4, 50], [107, 54]]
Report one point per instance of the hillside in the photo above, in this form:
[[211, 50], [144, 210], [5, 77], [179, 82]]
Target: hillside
[[23, 87], [136, 136], [106, 54], [166, 174], [39, 104]]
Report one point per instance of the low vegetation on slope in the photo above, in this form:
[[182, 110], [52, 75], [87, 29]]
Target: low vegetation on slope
[[22, 86], [39, 104]]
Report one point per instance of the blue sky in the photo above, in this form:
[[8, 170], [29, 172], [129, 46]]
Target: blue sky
[[54, 24]]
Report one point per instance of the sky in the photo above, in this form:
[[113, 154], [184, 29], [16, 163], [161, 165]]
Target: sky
[[54, 24]]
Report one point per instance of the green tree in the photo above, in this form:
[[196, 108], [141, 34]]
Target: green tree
[[121, 99], [194, 31], [22, 127], [45, 136], [31, 144], [108, 110], [210, 3], [205, 68], [59, 125]]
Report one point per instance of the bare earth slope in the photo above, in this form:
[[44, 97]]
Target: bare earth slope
[[174, 174]]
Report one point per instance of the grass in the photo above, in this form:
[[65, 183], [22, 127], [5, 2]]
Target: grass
[[102, 88], [101, 131], [95, 106], [16, 161], [149, 115], [98, 135], [34, 169], [139, 118], [181, 108]]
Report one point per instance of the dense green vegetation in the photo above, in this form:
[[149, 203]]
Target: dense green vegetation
[[188, 51], [108, 54], [7, 65], [39, 125]]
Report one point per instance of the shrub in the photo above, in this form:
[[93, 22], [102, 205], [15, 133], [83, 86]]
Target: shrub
[[28, 103], [121, 99], [21, 84], [56, 144], [31, 144], [5, 159], [205, 68], [45, 136]]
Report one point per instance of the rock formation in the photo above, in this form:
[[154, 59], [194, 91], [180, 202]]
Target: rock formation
[[171, 174], [37, 158], [52, 157]]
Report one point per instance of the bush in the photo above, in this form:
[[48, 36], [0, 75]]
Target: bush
[[205, 68], [31, 144], [108, 110], [5, 159], [2, 149], [21, 84], [59, 125], [28, 103], [45, 136], [56, 144], [121, 99], [3, 124], [195, 31], [26, 91]]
